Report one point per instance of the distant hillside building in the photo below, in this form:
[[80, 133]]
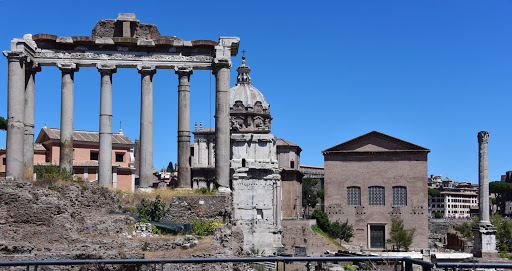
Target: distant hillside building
[[85, 155], [373, 178], [456, 200], [317, 173]]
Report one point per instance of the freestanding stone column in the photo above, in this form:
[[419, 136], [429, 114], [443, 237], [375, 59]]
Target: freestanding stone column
[[105, 155], [28, 164], [184, 175], [483, 177], [66, 115], [484, 232], [15, 114], [146, 126], [222, 127]]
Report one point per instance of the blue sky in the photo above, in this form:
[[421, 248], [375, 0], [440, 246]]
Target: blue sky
[[430, 72]]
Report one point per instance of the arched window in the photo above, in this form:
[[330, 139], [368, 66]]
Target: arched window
[[399, 196], [354, 195], [376, 196]]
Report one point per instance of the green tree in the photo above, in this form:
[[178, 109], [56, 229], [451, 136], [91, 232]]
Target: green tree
[[309, 197], [342, 231], [433, 192], [438, 215], [504, 232], [400, 238], [170, 167], [322, 220], [3, 124]]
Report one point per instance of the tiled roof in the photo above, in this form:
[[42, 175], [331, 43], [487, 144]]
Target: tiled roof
[[37, 147], [282, 142], [87, 136]]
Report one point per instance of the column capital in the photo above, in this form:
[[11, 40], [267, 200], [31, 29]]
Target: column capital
[[483, 137], [15, 55], [67, 67], [183, 70], [33, 67], [106, 68], [151, 69], [220, 63]]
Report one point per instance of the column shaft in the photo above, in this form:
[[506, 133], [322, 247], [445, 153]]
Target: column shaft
[[184, 174], [483, 176], [28, 164], [66, 115], [105, 178], [222, 128], [146, 126], [15, 114]]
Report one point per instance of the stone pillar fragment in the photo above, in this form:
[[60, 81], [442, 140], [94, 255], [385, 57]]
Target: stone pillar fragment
[[15, 114], [484, 231], [28, 164], [146, 126], [222, 127], [66, 115], [184, 174], [105, 155]]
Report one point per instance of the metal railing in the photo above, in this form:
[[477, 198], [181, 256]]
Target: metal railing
[[407, 261], [472, 266]]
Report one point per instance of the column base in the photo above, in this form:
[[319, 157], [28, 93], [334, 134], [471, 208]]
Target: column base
[[224, 190], [145, 189], [485, 241]]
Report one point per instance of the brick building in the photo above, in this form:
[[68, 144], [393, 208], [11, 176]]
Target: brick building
[[373, 178], [85, 155]]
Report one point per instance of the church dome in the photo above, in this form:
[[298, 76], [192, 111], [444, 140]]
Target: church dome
[[249, 109], [244, 91]]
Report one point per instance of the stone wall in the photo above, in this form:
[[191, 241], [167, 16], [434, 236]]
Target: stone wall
[[186, 208], [299, 233]]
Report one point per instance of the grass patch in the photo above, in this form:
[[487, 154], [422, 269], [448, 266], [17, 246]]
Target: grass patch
[[326, 236]]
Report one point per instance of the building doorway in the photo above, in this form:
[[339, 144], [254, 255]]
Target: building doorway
[[377, 236]]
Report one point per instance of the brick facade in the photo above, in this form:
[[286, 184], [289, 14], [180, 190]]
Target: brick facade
[[390, 176]]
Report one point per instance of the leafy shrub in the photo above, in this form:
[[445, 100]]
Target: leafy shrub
[[202, 190], [342, 231], [349, 267], [53, 173], [438, 215], [151, 210], [203, 227]]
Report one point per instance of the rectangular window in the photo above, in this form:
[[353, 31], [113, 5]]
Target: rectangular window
[[376, 196], [94, 155], [292, 164], [259, 213], [399, 196], [4, 161], [354, 195], [119, 157]]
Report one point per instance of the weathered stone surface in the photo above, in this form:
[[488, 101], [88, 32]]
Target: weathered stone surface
[[186, 208]]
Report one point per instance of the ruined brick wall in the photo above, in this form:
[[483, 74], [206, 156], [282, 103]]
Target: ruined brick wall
[[299, 233], [186, 208]]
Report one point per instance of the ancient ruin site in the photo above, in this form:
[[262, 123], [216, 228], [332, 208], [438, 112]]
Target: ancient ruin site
[[244, 136]]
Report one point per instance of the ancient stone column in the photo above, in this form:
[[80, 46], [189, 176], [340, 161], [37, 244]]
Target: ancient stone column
[[105, 155], [146, 125], [484, 232], [184, 175], [66, 115], [483, 176], [28, 141], [222, 127], [15, 114]]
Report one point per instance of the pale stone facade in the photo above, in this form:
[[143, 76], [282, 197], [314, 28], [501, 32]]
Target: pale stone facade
[[256, 178], [373, 178]]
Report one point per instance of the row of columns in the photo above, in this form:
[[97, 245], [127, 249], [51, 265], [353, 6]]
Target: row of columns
[[20, 130]]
